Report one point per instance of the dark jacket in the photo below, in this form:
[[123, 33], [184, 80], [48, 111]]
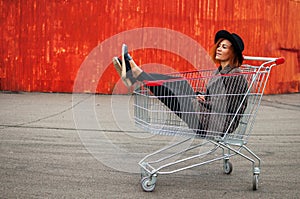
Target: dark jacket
[[219, 108], [224, 93]]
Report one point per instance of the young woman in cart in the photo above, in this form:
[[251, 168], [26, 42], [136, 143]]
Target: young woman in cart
[[215, 112]]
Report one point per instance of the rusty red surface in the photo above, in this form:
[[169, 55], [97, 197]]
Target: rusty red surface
[[44, 43]]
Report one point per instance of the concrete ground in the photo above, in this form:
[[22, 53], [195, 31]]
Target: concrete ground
[[86, 146]]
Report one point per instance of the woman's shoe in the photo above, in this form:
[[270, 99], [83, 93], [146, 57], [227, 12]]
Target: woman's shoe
[[117, 64], [125, 57], [126, 66], [135, 70], [129, 80], [125, 53]]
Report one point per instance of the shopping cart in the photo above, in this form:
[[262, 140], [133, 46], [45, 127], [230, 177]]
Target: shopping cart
[[226, 131]]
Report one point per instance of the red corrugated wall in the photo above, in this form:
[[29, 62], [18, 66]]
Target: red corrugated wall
[[45, 42]]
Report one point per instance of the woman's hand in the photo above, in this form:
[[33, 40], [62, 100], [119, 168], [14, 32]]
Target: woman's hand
[[201, 98]]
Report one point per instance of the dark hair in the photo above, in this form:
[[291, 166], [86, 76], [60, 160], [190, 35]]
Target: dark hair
[[235, 60]]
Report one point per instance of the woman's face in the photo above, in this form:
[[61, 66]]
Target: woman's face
[[224, 51]]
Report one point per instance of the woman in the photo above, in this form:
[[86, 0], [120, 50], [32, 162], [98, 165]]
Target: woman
[[216, 111]]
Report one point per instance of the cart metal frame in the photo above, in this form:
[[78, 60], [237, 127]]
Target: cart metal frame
[[229, 144]]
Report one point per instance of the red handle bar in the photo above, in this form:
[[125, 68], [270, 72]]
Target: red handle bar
[[279, 61]]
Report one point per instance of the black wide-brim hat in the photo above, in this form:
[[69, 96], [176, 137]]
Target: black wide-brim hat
[[235, 40]]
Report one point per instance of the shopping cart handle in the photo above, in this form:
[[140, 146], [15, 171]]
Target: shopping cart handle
[[279, 60], [154, 83]]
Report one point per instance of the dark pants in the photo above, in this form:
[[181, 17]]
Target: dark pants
[[177, 95]]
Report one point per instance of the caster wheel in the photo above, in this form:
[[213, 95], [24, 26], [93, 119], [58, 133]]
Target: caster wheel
[[147, 184], [228, 167], [255, 182]]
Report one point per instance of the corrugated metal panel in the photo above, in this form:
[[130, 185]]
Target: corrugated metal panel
[[44, 43]]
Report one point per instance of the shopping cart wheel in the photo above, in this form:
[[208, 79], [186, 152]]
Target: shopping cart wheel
[[227, 167], [148, 183], [255, 182]]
